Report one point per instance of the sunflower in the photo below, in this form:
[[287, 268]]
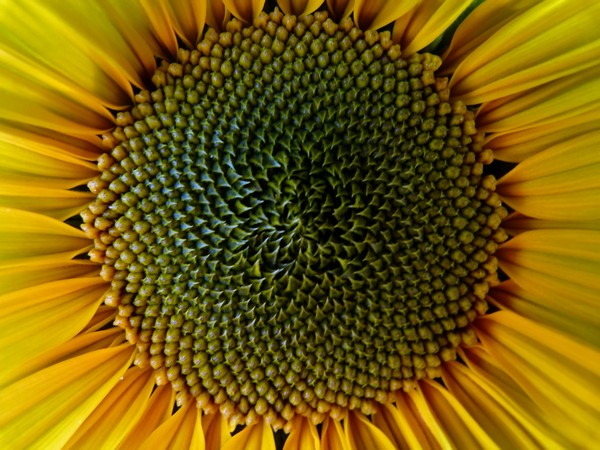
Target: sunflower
[[323, 225]]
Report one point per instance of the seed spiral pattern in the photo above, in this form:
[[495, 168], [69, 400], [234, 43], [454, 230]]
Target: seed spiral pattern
[[295, 221]]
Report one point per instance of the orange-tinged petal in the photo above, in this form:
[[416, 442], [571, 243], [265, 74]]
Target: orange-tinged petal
[[304, 435], [47, 407], [299, 7], [525, 52], [183, 430], [340, 8], [254, 437], [215, 431], [245, 10], [25, 234], [517, 223], [332, 436], [116, 415], [157, 411], [544, 105], [39, 318], [479, 26], [217, 15], [363, 435], [188, 19], [516, 146], [374, 14], [425, 23]]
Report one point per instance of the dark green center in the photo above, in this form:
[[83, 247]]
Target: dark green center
[[295, 220]]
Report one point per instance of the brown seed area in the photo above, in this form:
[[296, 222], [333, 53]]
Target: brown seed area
[[295, 220]]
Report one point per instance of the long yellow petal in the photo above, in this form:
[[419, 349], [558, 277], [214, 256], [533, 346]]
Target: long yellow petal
[[425, 23], [403, 424], [25, 234], [47, 407], [560, 374], [116, 415], [375, 14], [39, 318], [363, 435], [517, 223], [479, 26], [565, 262], [183, 430], [565, 315], [17, 277], [304, 435], [253, 437], [525, 53], [299, 7], [516, 146], [509, 427], [157, 411], [562, 182], [217, 15], [245, 10], [57, 203], [544, 105]]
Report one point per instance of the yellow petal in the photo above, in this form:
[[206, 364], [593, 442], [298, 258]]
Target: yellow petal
[[39, 318], [62, 147], [215, 431], [560, 374], [338, 9], [375, 14], [31, 164], [304, 435], [253, 437], [565, 262], [403, 424], [457, 424], [425, 23], [516, 146], [569, 317], [544, 105], [363, 435], [183, 430], [245, 10], [482, 23], [24, 234], [116, 415], [517, 223], [56, 203], [188, 19], [507, 425], [562, 182], [525, 53], [332, 436], [79, 345], [47, 407], [16, 277], [299, 7], [157, 411], [103, 316]]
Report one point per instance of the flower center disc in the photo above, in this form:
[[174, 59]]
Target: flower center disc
[[295, 221]]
